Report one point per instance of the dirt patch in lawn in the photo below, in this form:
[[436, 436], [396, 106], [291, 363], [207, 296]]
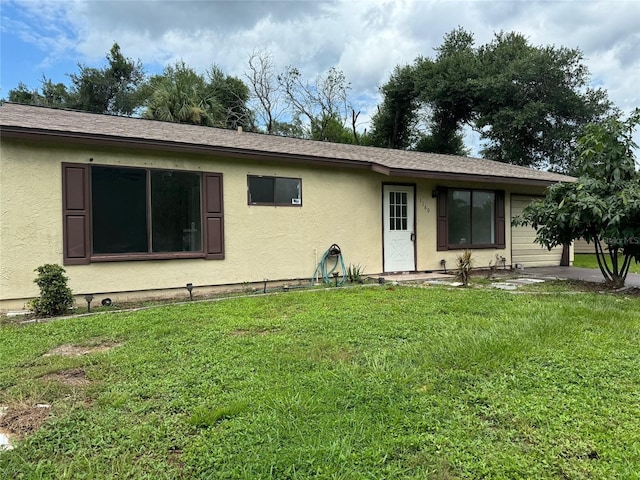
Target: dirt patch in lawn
[[257, 331], [73, 377], [69, 350], [19, 421]]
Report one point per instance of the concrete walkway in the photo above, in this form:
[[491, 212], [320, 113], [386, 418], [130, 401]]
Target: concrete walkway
[[547, 273], [574, 273]]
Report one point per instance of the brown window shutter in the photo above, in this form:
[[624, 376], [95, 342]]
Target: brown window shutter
[[213, 217], [442, 221], [500, 222], [75, 207]]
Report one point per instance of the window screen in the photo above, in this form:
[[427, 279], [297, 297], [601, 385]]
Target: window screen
[[274, 191], [175, 212], [143, 211], [119, 207], [471, 219]]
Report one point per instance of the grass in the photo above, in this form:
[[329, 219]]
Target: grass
[[588, 260], [375, 382]]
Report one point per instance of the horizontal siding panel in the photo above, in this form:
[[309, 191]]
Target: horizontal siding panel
[[524, 250]]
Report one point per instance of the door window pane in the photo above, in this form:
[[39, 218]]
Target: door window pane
[[398, 211]]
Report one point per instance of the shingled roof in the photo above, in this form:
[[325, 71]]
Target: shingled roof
[[59, 125]]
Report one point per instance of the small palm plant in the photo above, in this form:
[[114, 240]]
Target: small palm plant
[[464, 263]]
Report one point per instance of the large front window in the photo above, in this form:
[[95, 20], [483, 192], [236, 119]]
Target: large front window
[[469, 218], [145, 211]]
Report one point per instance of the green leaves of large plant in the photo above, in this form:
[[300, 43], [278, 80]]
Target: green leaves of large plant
[[603, 206], [528, 103], [182, 95]]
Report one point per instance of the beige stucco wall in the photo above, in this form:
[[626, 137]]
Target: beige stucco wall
[[340, 206]]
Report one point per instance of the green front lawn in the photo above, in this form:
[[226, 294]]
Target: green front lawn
[[371, 382], [588, 260]]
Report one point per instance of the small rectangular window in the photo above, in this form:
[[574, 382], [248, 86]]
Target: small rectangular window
[[274, 191]]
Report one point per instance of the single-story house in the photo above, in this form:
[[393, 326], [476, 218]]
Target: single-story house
[[134, 208]]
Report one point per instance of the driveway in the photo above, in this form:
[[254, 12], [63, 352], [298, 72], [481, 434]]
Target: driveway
[[585, 274]]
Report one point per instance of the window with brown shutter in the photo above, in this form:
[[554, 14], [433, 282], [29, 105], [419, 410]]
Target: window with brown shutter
[[156, 214], [75, 208], [213, 216], [469, 218]]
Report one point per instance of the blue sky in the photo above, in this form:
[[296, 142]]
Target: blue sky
[[366, 39]]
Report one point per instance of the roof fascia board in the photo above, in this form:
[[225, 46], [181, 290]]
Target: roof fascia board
[[169, 146], [165, 145], [471, 177]]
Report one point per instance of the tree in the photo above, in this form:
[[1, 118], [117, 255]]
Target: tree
[[179, 95], [232, 96], [603, 206], [532, 103], [529, 104], [23, 94], [53, 95], [182, 95], [322, 103], [294, 128], [447, 86], [265, 89], [333, 130], [393, 125], [114, 89]]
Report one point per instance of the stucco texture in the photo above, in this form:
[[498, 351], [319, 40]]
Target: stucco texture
[[340, 206]]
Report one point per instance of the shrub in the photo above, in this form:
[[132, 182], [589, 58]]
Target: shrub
[[55, 296], [464, 263]]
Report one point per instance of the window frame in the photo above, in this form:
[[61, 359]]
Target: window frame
[[78, 217], [443, 244], [275, 196]]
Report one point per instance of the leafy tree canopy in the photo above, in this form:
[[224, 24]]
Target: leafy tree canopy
[[603, 206], [179, 94], [529, 103], [113, 89], [182, 95], [394, 124]]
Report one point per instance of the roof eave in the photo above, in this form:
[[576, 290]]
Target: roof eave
[[171, 146], [473, 177], [167, 145]]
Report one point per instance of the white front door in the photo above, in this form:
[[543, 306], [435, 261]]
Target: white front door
[[398, 229]]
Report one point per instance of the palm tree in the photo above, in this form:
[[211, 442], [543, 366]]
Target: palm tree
[[180, 95]]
